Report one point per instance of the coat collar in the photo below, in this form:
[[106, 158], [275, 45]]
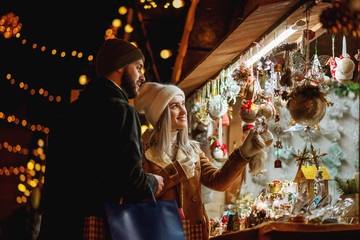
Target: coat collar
[[165, 160], [102, 87]]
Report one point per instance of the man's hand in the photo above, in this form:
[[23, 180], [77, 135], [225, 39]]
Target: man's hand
[[160, 184]]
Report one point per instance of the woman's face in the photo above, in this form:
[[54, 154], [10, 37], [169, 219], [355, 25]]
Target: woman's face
[[178, 113]]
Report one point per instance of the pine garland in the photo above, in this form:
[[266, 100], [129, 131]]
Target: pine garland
[[347, 186]]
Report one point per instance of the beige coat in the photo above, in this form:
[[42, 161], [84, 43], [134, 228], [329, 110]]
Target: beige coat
[[176, 182]]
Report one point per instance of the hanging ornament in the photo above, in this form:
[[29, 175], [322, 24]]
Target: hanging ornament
[[307, 105], [278, 146], [267, 110], [218, 106], [230, 88], [248, 112], [219, 151], [332, 62], [345, 66]]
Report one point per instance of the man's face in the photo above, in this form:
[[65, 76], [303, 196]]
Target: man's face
[[132, 78]]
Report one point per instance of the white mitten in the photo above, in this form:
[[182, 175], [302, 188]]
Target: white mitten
[[257, 163], [188, 166], [252, 145]]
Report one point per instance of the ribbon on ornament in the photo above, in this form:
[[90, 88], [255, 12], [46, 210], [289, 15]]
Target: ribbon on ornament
[[332, 63], [246, 106], [222, 146], [341, 57]]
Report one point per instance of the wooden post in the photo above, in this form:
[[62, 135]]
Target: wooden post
[[184, 42]]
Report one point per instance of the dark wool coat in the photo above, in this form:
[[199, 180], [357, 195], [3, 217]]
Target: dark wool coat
[[187, 192], [94, 156]]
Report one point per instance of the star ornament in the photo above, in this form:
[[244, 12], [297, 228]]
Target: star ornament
[[316, 156], [302, 157]]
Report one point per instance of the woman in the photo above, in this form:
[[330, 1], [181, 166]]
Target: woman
[[184, 167]]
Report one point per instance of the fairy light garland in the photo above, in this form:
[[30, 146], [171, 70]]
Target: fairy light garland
[[10, 118], [10, 27], [149, 4], [32, 174], [32, 91], [18, 149], [53, 51]]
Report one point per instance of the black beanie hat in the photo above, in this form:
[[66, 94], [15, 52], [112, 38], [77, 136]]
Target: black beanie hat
[[115, 54]]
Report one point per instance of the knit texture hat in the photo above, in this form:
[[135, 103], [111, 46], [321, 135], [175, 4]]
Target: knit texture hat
[[115, 54], [153, 98]]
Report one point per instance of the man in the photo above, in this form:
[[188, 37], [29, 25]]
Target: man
[[95, 150]]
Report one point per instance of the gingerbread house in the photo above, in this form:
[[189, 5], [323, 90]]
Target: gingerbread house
[[305, 177]]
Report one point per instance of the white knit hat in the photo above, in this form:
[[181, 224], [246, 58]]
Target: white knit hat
[[153, 98]]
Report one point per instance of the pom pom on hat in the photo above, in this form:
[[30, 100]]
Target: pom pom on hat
[[153, 98], [115, 54]]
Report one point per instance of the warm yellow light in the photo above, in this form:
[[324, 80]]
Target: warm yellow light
[[80, 54], [178, 3], [165, 53], [82, 80], [21, 187], [116, 23], [30, 165], [73, 53], [128, 28], [62, 54], [122, 10], [90, 57], [40, 150], [109, 32], [53, 52], [143, 129], [37, 167], [22, 177], [41, 142]]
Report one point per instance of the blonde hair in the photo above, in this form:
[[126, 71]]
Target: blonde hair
[[160, 138]]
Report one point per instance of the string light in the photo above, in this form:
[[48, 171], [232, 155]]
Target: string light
[[10, 118], [10, 25], [83, 80], [122, 10], [56, 52], [41, 91], [178, 3], [149, 4], [18, 149], [165, 53]]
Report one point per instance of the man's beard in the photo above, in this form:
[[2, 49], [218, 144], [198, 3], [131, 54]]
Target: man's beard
[[128, 84]]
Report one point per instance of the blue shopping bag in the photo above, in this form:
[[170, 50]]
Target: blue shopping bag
[[158, 220]]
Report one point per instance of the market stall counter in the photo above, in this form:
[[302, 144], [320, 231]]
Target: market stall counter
[[294, 231]]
